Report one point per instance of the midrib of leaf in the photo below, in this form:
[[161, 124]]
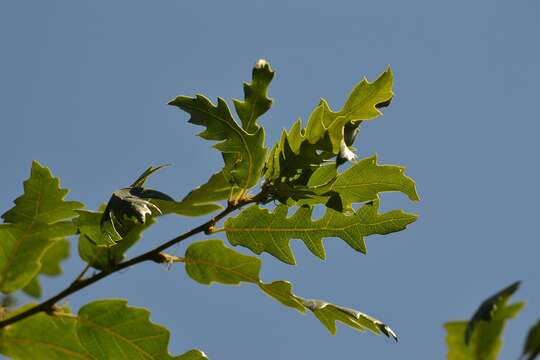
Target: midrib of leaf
[[325, 228], [240, 134], [49, 345], [252, 118]]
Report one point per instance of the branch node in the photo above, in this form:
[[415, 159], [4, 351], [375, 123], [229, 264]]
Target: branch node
[[55, 309], [164, 258], [210, 229]]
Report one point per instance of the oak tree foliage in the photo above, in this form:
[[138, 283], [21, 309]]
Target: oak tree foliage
[[261, 199]]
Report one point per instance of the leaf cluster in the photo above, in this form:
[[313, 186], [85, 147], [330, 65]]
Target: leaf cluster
[[272, 190]]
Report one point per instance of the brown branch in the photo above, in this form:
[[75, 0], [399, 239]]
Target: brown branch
[[151, 255]]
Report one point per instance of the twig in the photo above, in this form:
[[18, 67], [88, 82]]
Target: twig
[[151, 255]]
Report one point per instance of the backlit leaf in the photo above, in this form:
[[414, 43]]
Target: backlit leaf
[[256, 101], [103, 329], [327, 133], [33, 225], [366, 179], [50, 265], [263, 231], [208, 261], [33, 288], [242, 147], [211, 261], [42, 336], [107, 328], [202, 200]]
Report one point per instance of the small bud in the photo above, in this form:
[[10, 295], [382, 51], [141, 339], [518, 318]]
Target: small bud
[[261, 63]]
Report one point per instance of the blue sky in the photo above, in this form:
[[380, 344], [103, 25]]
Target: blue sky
[[84, 87]]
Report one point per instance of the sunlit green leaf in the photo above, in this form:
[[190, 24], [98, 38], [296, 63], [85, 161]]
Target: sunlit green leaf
[[50, 265], [202, 200], [531, 348], [327, 133], [34, 224], [256, 101], [365, 179], [281, 291], [480, 338], [211, 261], [208, 261], [107, 328], [244, 152], [42, 336], [103, 329], [242, 147], [33, 288], [263, 231]]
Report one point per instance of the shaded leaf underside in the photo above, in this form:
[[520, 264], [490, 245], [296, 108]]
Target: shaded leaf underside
[[531, 348]]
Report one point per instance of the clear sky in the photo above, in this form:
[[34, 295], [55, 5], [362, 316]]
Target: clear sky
[[84, 87]]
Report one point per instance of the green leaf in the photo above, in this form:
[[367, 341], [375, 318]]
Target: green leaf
[[42, 201], [34, 224], [282, 291], [141, 180], [103, 257], [107, 328], [531, 348], [480, 338], [128, 208], [262, 231], [202, 200], [208, 261], [365, 179], [244, 153], [33, 288], [50, 265], [256, 101], [89, 226], [192, 355], [42, 336], [488, 307], [211, 261], [103, 329], [364, 101], [327, 133], [329, 314]]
